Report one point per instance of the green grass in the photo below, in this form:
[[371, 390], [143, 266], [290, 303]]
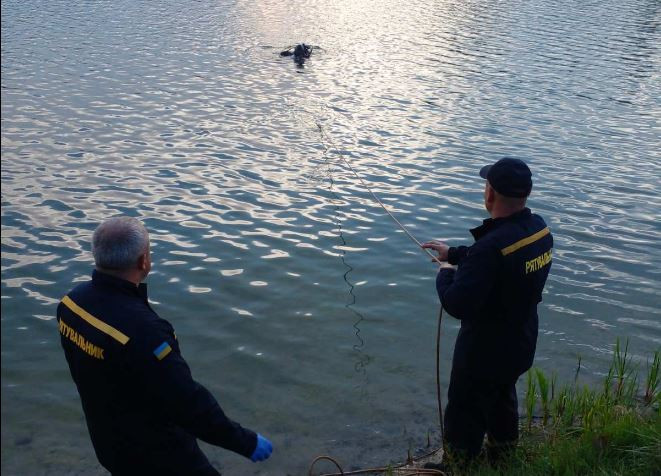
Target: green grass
[[577, 430], [628, 444]]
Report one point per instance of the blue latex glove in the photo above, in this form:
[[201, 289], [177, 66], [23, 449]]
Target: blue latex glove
[[262, 450]]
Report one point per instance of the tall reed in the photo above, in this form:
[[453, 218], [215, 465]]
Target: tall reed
[[543, 384], [652, 381], [531, 398]]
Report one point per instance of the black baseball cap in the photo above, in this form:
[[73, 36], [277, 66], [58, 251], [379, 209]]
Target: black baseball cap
[[509, 177]]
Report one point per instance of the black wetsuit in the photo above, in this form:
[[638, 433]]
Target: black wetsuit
[[144, 411], [494, 292]]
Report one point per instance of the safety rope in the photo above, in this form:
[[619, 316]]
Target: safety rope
[[376, 198], [398, 470], [403, 469]]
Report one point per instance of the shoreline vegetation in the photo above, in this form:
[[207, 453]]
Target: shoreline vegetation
[[614, 429], [573, 429]]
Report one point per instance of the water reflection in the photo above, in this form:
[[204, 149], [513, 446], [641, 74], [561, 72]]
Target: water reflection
[[186, 117]]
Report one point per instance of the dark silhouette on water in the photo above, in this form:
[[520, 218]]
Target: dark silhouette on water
[[300, 53]]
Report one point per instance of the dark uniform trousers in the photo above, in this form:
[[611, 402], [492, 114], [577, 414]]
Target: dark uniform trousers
[[476, 406], [144, 410], [494, 293]]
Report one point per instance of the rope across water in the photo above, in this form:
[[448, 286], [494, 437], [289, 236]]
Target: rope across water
[[376, 198], [401, 469]]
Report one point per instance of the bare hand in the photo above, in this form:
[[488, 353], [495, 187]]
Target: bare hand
[[438, 246]]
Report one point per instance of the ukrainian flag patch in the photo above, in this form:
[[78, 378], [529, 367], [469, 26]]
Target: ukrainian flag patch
[[162, 350]]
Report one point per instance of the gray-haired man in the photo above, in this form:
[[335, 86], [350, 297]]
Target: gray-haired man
[[144, 411]]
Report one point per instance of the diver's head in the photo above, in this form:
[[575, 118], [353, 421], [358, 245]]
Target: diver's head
[[302, 50]]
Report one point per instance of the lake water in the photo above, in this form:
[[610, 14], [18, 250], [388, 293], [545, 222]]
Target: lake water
[[296, 300]]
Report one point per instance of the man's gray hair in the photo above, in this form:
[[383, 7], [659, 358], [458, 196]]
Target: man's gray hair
[[117, 243]]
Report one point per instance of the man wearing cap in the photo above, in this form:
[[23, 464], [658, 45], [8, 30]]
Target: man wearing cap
[[144, 411], [493, 287]]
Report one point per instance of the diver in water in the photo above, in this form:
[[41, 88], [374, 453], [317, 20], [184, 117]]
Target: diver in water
[[300, 52]]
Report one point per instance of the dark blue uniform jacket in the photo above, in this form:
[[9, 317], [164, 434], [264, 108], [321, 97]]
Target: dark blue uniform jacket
[[495, 292], [144, 411]]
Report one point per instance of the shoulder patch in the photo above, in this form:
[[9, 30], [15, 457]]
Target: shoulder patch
[[162, 351]]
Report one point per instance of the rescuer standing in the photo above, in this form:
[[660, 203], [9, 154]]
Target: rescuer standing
[[144, 411], [493, 287]]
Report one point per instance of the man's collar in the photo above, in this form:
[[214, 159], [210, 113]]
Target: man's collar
[[100, 277], [491, 223]]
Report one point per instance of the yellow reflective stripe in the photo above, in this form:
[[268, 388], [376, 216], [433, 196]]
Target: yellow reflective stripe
[[100, 325], [525, 241]]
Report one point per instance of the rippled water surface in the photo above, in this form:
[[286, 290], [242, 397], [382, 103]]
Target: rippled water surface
[[295, 298]]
